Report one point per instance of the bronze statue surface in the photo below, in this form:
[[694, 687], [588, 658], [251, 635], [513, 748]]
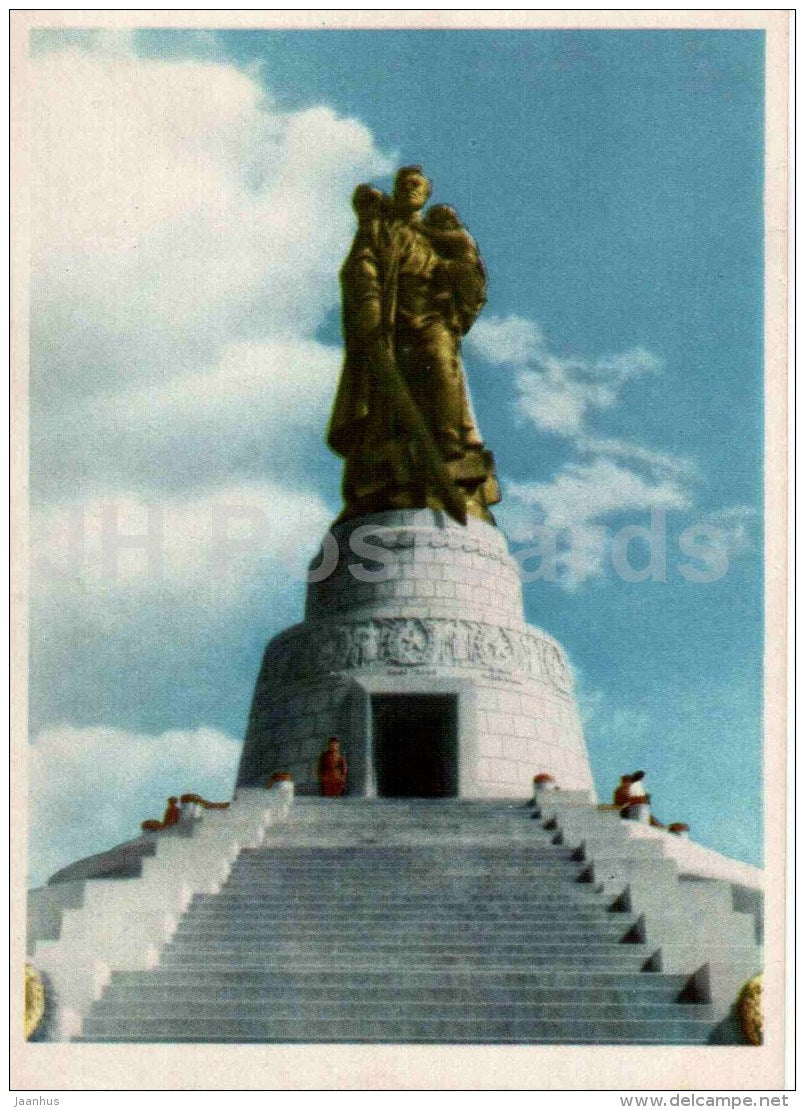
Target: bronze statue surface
[[412, 286]]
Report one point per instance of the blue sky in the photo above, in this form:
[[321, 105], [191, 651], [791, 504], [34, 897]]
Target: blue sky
[[191, 207]]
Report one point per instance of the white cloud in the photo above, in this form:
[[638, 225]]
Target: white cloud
[[734, 532], [187, 235], [556, 394], [91, 787], [501, 340], [186, 240], [606, 476], [628, 727], [208, 550], [246, 417], [579, 503], [121, 638], [585, 492], [655, 462]]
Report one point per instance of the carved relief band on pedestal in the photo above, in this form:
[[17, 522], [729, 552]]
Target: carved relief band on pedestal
[[416, 642]]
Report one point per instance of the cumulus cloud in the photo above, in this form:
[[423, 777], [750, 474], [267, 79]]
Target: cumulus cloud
[[506, 340], [208, 548], [90, 788], [186, 234], [186, 238], [655, 463], [582, 492], [258, 413], [157, 610], [556, 394], [606, 477], [579, 503]]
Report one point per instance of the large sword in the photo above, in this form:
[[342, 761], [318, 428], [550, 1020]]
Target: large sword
[[398, 396]]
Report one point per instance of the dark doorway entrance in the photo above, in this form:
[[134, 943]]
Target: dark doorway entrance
[[416, 745]]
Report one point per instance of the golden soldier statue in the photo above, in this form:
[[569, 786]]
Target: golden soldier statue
[[402, 418]]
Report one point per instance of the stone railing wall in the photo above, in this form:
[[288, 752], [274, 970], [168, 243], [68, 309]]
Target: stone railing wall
[[691, 927], [121, 924]]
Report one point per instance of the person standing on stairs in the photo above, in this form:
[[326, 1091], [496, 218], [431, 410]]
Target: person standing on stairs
[[332, 770]]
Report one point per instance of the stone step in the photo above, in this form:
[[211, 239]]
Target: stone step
[[548, 891], [653, 1038], [111, 1010], [580, 898], [323, 929], [505, 887], [362, 829], [403, 920], [567, 893], [307, 807], [561, 898], [373, 980], [459, 834], [450, 863], [501, 879], [505, 862], [432, 826], [437, 849], [406, 840], [402, 855], [379, 939], [511, 884], [285, 956], [286, 849], [277, 948], [627, 959], [398, 828], [346, 901], [392, 830], [147, 990], [360, 838], [446, 871], [437, 926], [552, 905], [564, 1030], [428, 917]]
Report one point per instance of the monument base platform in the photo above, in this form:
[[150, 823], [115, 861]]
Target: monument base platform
[[415, 653]]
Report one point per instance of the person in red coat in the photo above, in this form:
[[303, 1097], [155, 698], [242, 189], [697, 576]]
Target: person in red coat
[[332, 770], [630, 791]]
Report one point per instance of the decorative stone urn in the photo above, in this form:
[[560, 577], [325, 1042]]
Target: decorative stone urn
[[281, 782], [640, 813]]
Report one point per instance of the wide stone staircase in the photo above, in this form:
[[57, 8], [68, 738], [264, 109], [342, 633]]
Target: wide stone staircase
[[443, 921]]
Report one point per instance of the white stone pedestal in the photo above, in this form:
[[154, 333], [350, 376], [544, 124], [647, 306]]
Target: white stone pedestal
[[438, 611]]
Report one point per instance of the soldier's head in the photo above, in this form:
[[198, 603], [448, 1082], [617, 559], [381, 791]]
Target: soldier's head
[[411, 188], [333, 742]]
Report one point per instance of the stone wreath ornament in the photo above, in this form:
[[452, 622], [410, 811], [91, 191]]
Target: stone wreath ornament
[[750, 1010], [34, 1000]]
